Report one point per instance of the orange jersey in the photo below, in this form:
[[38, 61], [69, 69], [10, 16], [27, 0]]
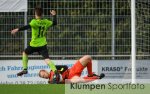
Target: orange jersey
[[75, 70]]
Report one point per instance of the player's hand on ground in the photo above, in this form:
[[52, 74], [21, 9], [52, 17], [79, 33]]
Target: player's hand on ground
[[53, 12], [49, 82], [14, 31]]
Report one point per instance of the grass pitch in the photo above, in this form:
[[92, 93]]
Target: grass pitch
[[60, 89], [32, 89]]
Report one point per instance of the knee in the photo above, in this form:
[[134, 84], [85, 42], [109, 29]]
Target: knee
[[88, 57], [85, 60], [47, 60], [24, 53]]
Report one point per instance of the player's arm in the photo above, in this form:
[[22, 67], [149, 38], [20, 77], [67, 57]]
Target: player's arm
[[77, 79], [20, 29], [53, 13]]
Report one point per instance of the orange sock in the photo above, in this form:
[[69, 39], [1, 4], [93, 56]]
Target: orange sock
[[89, 68]]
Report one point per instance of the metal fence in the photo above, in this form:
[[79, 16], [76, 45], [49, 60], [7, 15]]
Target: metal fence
[[143, 27], [94, 27]]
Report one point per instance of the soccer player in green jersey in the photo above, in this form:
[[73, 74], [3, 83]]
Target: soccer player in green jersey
[[38, 43]]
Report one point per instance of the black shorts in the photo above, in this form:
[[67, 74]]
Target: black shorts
[[41, 50]]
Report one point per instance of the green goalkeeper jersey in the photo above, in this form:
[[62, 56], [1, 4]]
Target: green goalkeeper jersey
[[39, 29]]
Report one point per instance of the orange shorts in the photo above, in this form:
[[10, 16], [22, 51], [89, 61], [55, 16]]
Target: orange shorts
[[76, 70]]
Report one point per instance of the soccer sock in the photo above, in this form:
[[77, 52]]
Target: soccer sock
[[89, 68], [52, 66], [25, 61]]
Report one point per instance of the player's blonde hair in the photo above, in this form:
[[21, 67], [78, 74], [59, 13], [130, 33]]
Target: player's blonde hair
[[40, 72]]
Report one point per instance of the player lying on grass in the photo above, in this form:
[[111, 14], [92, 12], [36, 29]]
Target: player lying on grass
[[38, 42], [73, 73]]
